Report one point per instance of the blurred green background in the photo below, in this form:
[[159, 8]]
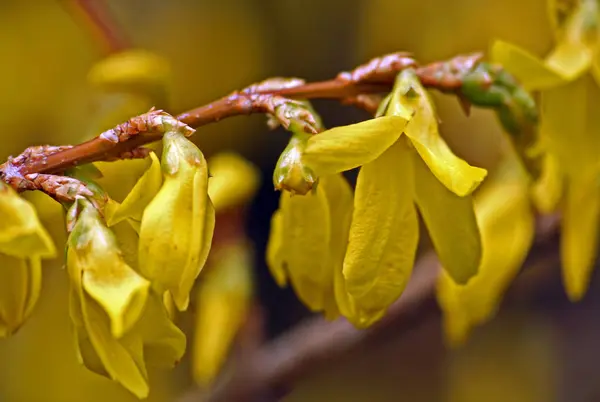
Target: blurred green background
[[539, 349]]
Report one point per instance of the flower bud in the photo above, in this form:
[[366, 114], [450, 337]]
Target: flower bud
[[177, 225], [290, 172]]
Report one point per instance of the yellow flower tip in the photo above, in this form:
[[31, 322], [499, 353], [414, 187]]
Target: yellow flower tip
[[234, 180]]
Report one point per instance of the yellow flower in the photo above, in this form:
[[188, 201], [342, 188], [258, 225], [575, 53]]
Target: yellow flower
[[569, 132], [233, 181], [120, 326], [23, 243], [397, 172], [222, 304], [177, 225], [506, 221]]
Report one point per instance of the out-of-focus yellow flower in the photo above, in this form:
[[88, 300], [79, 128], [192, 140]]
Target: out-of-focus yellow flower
[[222, 304], [21, 233], [506, 221], [224, 294], [569, 132], [233, 181], [177, 225], [23, 243], [120, 326], [396, 171]]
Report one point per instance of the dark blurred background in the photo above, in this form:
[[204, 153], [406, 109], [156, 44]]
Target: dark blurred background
[[540, 348]]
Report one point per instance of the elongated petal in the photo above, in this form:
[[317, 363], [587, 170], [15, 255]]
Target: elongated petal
[[21, 232], [547, 191], [274, 248], [115, 358], [305, 251], [341, 203], [15, 285], [140, 195], [383, 233], [181, 295], [456, 174], [164, 343], [507, 228], [174, 231], [345, 148], [94, 260], [451, 223], [531, 71], [222, 305], [580, 227]]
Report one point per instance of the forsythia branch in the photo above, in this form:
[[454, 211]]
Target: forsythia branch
[[358, 87]]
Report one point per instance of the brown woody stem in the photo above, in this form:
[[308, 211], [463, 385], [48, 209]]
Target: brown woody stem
[[374, 77]]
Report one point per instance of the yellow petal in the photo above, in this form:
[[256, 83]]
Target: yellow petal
[[456, 174], [570, 126], [507, 227], [176, 228], [21, 232], [531, 71], [94, 259], [234, 180], [383, 234], [340, 199], [546, 192], [274, 248], [345, 148], [20, 285], [305, 249], [579, 240], [181, 295], [222, 305], [115, 358], [164, 344], [140, 195], [451, 224], [577, 42]]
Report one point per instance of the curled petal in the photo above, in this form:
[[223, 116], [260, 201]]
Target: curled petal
[[451, 224], [383, 234], [456, 174], [140, 195]]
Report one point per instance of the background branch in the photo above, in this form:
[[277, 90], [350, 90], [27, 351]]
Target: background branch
[[272, 369]]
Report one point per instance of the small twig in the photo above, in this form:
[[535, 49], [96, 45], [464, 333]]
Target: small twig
[[280, 363], [102, 21]]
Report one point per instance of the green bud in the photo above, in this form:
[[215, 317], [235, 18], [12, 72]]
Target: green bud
[[290, 172]]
